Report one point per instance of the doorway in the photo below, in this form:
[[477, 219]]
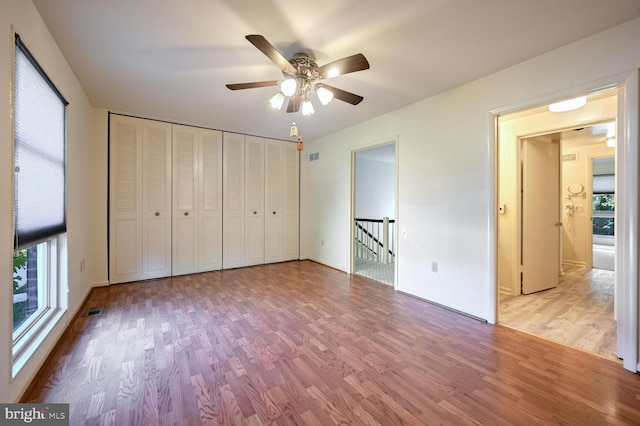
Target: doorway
[[547, 286], [374, 212]]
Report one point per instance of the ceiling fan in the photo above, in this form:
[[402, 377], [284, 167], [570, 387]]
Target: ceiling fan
[[302, 76]]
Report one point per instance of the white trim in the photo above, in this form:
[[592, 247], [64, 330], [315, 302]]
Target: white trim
[[627, 227], [492, 219]]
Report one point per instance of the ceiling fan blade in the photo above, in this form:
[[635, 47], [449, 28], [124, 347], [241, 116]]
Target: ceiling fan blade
[[294, 103], [271, 52], [239, 86], [342, 66], [343, 95]]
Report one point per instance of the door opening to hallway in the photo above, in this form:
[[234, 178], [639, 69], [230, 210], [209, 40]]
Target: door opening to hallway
[[549, 287], [374, 225]]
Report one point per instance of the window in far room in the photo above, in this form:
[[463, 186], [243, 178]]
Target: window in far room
[[604, 198]]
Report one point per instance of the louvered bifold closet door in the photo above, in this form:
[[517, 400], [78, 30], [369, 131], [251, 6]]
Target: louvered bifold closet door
[[185, 200], [254, 201], [210, 202], [233, 201], [291, 202], [156, 196], [125, 187], [274, 178]]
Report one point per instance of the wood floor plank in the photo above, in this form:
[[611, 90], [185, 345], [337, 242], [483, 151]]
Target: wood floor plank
[[300, 343]]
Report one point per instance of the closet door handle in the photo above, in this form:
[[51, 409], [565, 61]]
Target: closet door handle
[[255, 212], [186, 213], [274, 212], [156, 214]]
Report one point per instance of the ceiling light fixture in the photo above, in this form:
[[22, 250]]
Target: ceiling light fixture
[[299, 83], [324, 95], [289, 87], [293, 132], [302, 76], [277, 100], [568, 105], [307, 107]]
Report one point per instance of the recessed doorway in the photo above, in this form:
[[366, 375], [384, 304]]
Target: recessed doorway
[[575, 305]]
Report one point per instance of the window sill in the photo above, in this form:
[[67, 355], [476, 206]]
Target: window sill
[[24, 349]]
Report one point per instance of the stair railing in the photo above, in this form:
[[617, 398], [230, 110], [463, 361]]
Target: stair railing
[[374, 239]]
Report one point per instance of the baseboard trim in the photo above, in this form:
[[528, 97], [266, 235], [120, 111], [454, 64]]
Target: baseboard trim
[[577, 263], [440, 305]]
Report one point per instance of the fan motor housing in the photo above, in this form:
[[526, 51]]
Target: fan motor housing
[[304, 65]]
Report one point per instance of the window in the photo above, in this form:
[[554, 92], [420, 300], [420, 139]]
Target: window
[[39, 204], [604, 199]]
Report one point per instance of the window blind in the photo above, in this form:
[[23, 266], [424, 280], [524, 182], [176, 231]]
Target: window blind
[[604, 184], [40, 152]]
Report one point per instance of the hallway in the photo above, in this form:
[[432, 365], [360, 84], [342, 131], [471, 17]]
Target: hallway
[[578, 313], [375, 270]]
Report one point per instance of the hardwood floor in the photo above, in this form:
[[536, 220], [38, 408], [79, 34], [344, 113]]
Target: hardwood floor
[[300, 343], [578, 312]]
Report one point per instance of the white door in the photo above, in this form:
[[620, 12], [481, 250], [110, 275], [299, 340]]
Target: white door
[[254, 201], [125, 184], [156, 199], [291, 202], [233, 201], [185, 200], [274, 175], [540, 215], [210, 201]]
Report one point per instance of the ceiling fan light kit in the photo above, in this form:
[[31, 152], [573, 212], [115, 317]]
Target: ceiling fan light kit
[[302, 77], [277, 100]]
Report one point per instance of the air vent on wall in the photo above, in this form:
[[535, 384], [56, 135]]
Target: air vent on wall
[[572, 156], [315, 156]]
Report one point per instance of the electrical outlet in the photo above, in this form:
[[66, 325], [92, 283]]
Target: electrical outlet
[[434, 267], [579, 207]]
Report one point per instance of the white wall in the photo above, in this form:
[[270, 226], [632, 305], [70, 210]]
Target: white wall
[[446, 171], [26, 21], [375, 189]]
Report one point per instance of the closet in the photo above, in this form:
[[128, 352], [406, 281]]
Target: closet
[[197, 200], [184, 200], [140, 199], [282, 201]]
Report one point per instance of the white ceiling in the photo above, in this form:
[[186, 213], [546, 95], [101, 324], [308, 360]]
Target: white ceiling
[[171, 59]]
